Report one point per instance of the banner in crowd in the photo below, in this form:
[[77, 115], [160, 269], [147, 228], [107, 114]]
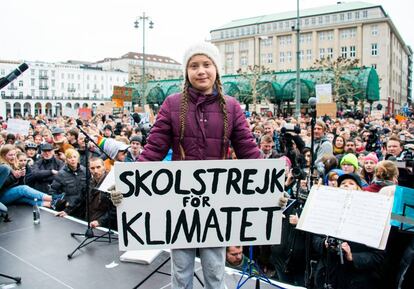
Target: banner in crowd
[[18, 126], [199, 203], [70, 112], [357, 216], [85, 113]]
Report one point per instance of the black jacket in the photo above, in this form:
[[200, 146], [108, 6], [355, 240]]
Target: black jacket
[[41, 176], [72, 184], [362, 273]]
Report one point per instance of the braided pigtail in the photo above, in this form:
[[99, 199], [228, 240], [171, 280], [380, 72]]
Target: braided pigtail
[[183, 113], [222, 102]]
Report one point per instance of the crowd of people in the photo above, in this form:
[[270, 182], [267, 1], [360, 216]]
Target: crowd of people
[[48, 167]]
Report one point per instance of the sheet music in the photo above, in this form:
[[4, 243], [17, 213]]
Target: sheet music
[[356, 216]]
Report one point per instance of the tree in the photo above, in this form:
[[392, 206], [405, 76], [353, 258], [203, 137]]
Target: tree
[[343, 74], [254, 75]]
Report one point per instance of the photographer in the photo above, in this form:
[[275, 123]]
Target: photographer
[[321, 145], [403, 158], [346, 265]]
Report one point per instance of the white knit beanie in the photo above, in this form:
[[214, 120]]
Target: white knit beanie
[[204, 48]]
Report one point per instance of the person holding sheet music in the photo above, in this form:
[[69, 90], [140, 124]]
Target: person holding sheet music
[[199, 124], [347, 265]]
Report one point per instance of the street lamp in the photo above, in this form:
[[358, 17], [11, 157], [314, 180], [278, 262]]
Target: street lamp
[[143, 18], [298, 92]]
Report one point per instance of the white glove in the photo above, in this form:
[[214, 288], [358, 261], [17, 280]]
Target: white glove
[[283, 199], [116, 197]]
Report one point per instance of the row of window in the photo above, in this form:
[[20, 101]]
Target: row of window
[[289, 24]]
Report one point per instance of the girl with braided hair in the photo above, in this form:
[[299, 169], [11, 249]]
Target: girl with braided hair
[[199, 124]]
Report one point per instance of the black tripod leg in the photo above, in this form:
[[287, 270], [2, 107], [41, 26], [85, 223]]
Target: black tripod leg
[[17, 279], [199, 280], [77, 248], [152, 273]]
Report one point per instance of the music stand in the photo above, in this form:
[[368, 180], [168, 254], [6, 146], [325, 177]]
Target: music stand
[[89, 235], [17, 279]]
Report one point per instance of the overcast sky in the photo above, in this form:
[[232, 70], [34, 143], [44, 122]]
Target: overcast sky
[[90, 30]]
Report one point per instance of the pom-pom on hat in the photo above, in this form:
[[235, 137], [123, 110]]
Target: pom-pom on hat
[[204, 48]]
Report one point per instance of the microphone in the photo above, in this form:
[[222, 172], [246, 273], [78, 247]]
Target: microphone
[[79, 122], [312, 102], [12, 75]]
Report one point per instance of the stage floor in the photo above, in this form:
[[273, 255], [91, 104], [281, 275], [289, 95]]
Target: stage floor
[[38, 254]]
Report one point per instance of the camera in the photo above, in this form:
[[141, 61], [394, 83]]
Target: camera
[[290, 127], [335, 245]]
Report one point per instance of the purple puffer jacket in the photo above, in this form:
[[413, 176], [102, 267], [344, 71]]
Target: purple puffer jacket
[[203, 134]]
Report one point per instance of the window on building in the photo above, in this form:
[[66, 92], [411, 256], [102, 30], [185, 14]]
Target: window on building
[[309, 37], [374, 49], [243, 60], [344, 33], [374, 30], [282, 57], [352, 32], [229, 48], [301, 54], [289, 56], [327, 19], [62, 85], [20, 83], [308, 54], [321, 35], [282, 40], [306, 21], [329, 53], [329, 35], [334, 18], [321, 53], [342, 17], [270, 58], [3, 93], [344, 52], [365, 14], [32, 71], [349, 15], [352, 51], [289, 39], [313, 20], [357, 15], [320, 20], [32, 81], [32, 91], [244, 45]]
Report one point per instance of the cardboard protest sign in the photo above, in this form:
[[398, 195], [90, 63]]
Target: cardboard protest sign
[[85, 113], [18, 126], [106, 108], [195, 204], [118, 102], [323, 93], [357, 216], [328, 109]]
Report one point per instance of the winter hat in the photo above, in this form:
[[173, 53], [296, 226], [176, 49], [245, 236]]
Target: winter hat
[[354, 177], [350, 159], [204, 48], [111, 146], [287, 160], [372, 157]]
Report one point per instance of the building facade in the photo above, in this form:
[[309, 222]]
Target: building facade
[[350, 30], [49, 87], [156, 66]]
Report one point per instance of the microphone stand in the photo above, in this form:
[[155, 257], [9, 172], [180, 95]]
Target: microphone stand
[[312, 168], [89, 235]]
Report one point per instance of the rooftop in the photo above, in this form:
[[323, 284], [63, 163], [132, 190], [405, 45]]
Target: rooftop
[[339, 7]]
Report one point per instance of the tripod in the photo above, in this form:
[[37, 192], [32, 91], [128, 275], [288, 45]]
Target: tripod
[[17, 279], [160, 272], [89, 235], [248, 271]]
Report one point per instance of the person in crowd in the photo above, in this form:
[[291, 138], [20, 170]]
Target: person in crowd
[[32, 152], [269, 129], [386, 174], [134, 150], [179, 126], [45, 170], [368, 167], [362, 265], [38, 138], [338, 145], [60, 143], [321, 145], [237, 260], [258, 131], [331, 178], [108, 131], [10, 138], [70, 181], [266, 147], [116, 150], [13, 189], [350, 147], [72, 137], [349, 163], [394, 147]]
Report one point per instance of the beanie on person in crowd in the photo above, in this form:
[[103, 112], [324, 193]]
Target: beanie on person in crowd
[[351, 176], [111, 146], [204, 48], [350, 159], [371, 157]]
